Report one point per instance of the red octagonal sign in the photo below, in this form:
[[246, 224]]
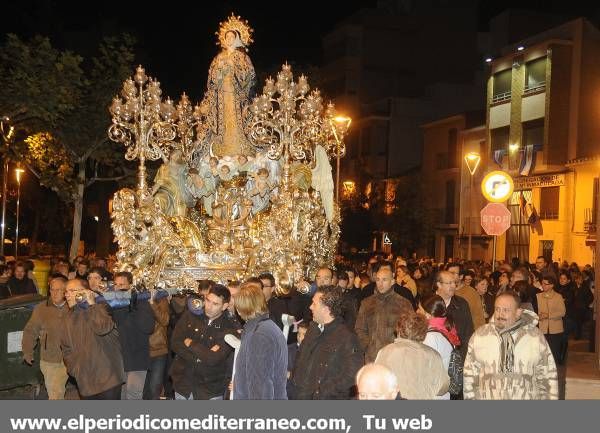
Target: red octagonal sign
[[495, 219]]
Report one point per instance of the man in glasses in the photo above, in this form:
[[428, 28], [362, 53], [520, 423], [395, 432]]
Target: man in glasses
[[458, 307]]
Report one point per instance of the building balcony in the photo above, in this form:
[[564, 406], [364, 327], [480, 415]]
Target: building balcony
[[589, 224], [501, 98], [531, 89]]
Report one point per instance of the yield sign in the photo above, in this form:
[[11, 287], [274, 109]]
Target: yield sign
[[495, 219]]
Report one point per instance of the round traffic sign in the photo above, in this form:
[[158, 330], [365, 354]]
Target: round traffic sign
[[495, 219], [497, 186]]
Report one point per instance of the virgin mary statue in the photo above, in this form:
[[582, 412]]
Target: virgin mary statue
[[231, 80]]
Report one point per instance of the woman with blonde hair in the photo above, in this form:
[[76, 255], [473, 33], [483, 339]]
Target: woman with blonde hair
[[261, 362]]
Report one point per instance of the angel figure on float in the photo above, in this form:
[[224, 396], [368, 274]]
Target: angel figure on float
[[201, 187], [231, 81], [244, 164], [213, 165], [322, 180], [226, 172], [169, 189], [272, 165], [260, 190]]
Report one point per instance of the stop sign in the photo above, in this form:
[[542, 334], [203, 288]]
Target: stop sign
[[495, 219]]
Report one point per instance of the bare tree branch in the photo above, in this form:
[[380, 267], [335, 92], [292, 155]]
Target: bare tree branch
[[92, 148], [106, 179], [31, 169]]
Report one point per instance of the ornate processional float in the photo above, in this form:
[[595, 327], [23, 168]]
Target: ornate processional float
[[246, 183]]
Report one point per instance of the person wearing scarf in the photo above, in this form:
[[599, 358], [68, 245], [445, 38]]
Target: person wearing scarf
[[509, 358], [441, 335]]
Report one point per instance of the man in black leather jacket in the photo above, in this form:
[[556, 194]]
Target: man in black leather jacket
[[203, 363], [330, 355]]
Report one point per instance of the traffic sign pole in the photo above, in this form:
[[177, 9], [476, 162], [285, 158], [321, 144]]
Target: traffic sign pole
[[494, 254]]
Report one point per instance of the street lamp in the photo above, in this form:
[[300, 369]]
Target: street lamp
[[7, 136], [349, 189], [339, 125], [18, 171], [472, 159]]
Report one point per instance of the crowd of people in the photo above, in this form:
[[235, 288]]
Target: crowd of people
[[385, 328]]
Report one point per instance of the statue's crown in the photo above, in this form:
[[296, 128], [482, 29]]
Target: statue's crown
[[238, 25]]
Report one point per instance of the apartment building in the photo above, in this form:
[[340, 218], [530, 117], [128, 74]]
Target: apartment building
[[543, 128]]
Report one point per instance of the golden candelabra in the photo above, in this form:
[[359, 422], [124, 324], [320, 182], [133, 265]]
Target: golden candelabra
[[143, 122], [289, 121], [190, 125]]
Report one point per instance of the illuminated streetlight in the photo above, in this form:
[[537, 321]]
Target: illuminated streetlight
[[7, 131], [349, 189], [340, 125], [18, 172], [472, 159]]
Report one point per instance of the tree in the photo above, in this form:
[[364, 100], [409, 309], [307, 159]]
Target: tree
[[68, 150], [39, 84]]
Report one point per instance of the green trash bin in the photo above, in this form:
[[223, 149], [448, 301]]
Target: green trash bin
[[14, 314]]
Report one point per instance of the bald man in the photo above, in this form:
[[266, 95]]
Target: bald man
[[378, 314], [376, 382], [90, 345]]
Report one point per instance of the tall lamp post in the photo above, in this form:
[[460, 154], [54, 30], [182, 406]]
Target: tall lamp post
[[18, 171], [339, 126], [472, 159], [7, 136]]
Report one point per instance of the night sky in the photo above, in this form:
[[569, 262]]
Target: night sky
[[176, 40]]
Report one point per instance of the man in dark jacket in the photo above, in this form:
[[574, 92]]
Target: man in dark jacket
[[330, 354], [378, 315], [284, 302], [277, 304], [521, 274], [369, 290], [202, 366], [20, 283], [90, 345], [446, 283], [135, 323], [350, 298]]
